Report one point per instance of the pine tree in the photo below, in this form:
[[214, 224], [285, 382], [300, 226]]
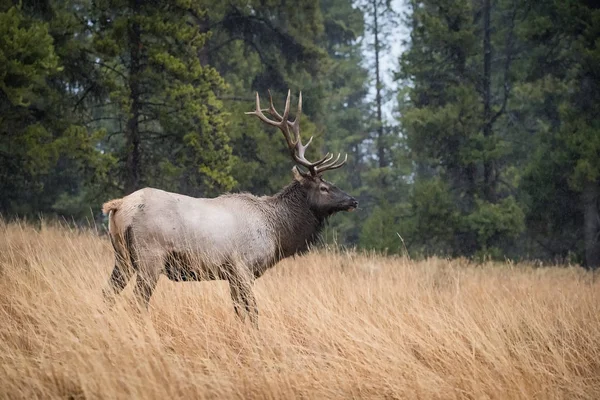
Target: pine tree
[[46, 153], [453, 122], [563, 92], [168, 118], [258, 46], [346, 113]]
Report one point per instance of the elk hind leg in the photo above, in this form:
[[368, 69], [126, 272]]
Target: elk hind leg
[[121, 273], [119, 278], [144, 287]]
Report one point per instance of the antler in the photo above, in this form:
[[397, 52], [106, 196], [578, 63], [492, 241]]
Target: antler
[[295, 146]]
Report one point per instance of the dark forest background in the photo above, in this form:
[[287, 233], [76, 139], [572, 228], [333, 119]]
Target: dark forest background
[[493, 150]]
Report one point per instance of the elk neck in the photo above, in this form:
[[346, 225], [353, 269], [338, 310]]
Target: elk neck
[[295, 225]]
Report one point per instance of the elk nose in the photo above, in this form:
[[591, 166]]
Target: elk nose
[[354, 202]]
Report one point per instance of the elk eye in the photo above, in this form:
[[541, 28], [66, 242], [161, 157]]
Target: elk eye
[[324, 189]]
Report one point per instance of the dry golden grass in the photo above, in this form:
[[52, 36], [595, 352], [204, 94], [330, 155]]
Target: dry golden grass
[[332, 325]]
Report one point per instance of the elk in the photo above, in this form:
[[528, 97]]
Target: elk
[[234, 237]]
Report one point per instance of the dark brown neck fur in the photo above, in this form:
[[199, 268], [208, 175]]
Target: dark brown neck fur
[[295, 225]]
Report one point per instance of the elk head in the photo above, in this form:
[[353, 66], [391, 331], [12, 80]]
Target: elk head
[[323, 197]]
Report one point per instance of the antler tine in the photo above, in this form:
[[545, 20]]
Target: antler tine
[[283, 126], [296, 123], [302, 148], [286, 111], [333, 162], [299, 147], [323, 160], [332, 165], [271, 108], [260, 115], [295, 146]]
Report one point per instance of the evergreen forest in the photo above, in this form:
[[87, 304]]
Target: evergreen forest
[[481, 140]]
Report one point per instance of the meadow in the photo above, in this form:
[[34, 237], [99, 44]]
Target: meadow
[[332, 324]]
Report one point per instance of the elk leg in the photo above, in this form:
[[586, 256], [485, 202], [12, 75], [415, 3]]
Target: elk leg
[[119, 278], [150, 265], [144, 287], [235, 296], [250, 302], [121, 273], [244, 301]]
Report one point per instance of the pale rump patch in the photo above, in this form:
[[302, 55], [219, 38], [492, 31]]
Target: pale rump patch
[[112, 205]]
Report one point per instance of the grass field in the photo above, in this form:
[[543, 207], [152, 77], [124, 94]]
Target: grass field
[[332, 325]]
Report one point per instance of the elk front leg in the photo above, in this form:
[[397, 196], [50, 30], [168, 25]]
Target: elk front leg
[[150, 266], [243, 298]]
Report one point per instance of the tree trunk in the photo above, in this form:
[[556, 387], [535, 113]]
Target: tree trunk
[[133, 167], [203, 53], [591, 222], [380, 131], [488, 189]]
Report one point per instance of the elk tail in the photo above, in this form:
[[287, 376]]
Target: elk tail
[[112, 205], [121, 239], [110, 208]]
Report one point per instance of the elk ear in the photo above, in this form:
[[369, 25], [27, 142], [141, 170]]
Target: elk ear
[[298, 175]]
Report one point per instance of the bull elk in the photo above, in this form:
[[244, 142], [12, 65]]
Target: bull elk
[[233, 237]]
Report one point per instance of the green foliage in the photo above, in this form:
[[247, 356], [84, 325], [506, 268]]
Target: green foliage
[[100, 98], [134, 94], [562, 94], [165, 101], [345, 115], [515, 175], [44, 153], [382, 230], [27, 57], [453, 141], [313, 49], [581, 136], [260, 46], [433, 219], [490, 221]]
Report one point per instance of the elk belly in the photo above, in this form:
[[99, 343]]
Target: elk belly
[[181, 267]]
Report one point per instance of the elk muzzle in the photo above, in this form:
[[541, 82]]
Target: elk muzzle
[[353, 204]]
